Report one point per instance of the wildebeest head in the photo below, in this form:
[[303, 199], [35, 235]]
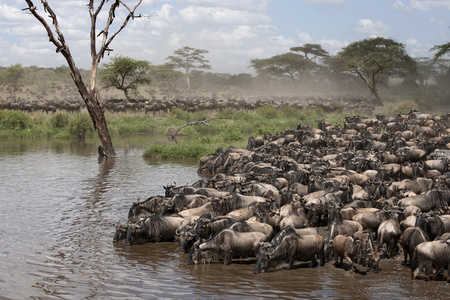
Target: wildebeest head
[[185, 237], [120, 234], [133, 232], [152, 205], [432, 225]]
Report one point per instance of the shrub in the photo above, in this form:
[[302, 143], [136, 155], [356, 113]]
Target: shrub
[[80, 124], [267, 111], [15, 120], [59, 120], [231, 135]]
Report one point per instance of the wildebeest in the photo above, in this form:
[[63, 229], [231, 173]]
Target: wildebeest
[[298, 219], [372, 219], [149, 206], [210, 226], [218, 207], [185, 237], [411, 237], [228, 244], [345, 247], [181, 202], [292, 247], [153, 228], [431, 200], [343, 227], [431, 255], [433, 224], [121, 233], [388, 233]]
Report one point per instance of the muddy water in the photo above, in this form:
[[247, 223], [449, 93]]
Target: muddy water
[[58, 203]]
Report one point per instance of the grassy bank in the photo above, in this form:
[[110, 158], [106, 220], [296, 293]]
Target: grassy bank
[[230, 128]]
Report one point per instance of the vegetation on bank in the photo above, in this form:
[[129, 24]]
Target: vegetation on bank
[[230, 128]]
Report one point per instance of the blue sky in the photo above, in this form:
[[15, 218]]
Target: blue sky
[[233, 31]]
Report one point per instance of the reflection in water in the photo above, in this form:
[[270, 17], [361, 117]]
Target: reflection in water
[[58, 203]]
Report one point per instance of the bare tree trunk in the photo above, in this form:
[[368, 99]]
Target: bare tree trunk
[[377, 101], [90, 97]]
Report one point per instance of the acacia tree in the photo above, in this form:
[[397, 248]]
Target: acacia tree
[[188, 59], [12, 77], [88, 93], [315, 50], [125, 74], [441, 50], [374, 60], [288, 65]]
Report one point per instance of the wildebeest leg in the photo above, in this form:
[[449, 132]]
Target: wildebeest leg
[[227, 258], [428, 270], [314, 262], [448, 272], [322, 258], [416, 271], [290, 263], [405, 255], [352, 265]]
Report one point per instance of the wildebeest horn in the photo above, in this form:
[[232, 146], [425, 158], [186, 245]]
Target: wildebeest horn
[[177, 231], [386, 210]]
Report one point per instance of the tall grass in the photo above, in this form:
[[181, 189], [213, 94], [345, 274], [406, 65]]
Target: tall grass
[[234, 129], [229, 127]]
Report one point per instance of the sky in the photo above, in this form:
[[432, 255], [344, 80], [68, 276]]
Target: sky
[[232, 31]]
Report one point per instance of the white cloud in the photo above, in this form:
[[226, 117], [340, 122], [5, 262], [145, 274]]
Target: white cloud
[[230, 4], [371, 27], [221, 16], [332, 46], [327, 1], [400, 6], [422, 5], [412, 41], [304, 38]]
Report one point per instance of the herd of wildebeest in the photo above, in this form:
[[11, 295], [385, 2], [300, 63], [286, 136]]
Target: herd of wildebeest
[[369, 191], [158, 106]]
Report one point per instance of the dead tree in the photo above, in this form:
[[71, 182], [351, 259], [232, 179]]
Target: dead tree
[[89, 94], [205, 122]]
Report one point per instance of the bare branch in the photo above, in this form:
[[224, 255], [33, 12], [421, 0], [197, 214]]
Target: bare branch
[[105, 42], [205, 122]]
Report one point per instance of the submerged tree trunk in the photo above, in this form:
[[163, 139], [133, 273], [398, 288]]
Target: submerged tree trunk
[[90, 96]]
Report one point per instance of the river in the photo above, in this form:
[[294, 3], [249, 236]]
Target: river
[[58, 204]]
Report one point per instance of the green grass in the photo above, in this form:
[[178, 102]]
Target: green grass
[[228, 128]]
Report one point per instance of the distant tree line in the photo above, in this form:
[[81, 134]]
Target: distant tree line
[[364, 65]]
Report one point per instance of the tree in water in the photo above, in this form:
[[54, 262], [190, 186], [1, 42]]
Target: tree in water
[[125, 74], [88, 93], [188, 59], [374, 60]]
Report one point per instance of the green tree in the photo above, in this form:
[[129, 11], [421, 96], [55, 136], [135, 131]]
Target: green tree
[[12, 77], [118, 11], [188, 59], [441, 50], [288, 65], [374, 60], [125, 74], [315, 50]]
